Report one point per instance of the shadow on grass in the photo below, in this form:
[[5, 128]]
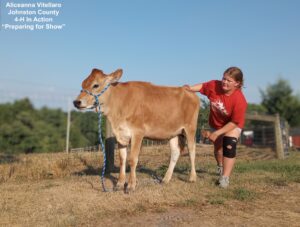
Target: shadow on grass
[[182, 171], [92, 171], [152, 173]]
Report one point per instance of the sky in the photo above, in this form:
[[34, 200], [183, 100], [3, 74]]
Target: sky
[[165, 42]]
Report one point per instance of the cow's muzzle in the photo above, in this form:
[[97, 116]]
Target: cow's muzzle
[[77, 104], [81, 105]]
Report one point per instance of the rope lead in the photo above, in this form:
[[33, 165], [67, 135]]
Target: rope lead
[[100, 131]]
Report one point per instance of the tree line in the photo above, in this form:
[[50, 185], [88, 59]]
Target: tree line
[[25, 129]]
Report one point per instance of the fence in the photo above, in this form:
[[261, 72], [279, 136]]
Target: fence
[[274, 134], [85, 149]]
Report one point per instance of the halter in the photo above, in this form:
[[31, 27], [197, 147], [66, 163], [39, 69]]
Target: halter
[[96, 96]]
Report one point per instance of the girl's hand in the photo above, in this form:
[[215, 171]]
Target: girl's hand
[[213, 136], [187, 87]]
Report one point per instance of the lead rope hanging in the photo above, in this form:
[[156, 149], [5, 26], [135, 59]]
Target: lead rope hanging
[[100, 131]]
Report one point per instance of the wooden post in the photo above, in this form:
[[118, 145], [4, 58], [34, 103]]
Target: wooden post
[[287, 128], [278, 137], [109, 148]]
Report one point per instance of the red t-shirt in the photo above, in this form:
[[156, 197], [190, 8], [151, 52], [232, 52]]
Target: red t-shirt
[[224, 108]]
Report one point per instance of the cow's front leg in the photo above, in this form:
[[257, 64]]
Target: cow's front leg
[[122, 176], [136, 141]]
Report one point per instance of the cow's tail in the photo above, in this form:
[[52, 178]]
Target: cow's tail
[[181, 142]]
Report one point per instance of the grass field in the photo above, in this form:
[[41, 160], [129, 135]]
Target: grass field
[[65, 190]]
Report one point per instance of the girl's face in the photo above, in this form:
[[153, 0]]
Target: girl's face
[[229, 84]]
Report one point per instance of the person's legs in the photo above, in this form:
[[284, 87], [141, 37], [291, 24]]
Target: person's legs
[[228, 166], [218, 152], [228, 162], [230, 140]]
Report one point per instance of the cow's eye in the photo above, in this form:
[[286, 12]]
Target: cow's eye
[[95, 86]]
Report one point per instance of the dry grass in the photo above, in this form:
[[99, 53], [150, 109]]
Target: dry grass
[[65, 190], [35, 167]]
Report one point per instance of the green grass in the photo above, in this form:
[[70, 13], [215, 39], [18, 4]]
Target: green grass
[[278, 173], [222, 195], [243, 194], [218, 197], [216, 201], [269, 166], [281, 181], [288, 169], [161, 171]]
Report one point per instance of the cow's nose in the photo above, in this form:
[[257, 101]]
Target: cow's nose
[[77, 103]]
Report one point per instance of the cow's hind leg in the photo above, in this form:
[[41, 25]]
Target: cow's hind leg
[[192, 153], [175, 152], [136, 142], [122, 176]]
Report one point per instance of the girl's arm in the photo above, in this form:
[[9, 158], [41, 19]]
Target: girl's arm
[[226, 128], [193, 88]]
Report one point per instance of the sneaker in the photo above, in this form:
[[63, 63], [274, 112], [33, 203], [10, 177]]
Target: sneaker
[[220, 170], [223, 182]]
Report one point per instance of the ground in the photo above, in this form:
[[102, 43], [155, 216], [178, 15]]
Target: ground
[[65, 190]]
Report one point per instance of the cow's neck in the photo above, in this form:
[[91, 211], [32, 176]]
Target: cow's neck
[[104, 101], [108, 105]]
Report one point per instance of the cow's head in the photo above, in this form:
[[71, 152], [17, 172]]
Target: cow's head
[[95, 83]]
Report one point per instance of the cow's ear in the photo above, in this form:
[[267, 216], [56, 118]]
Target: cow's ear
[[96, 71], [115, 76]]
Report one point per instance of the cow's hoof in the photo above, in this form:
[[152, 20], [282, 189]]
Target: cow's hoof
[[119, 187], [165, 181], [129, 189], [192, 179]]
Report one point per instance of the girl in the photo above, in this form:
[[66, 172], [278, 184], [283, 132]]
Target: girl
[[227, 117]]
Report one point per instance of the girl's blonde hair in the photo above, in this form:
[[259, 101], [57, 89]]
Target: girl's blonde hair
[[236, 74]]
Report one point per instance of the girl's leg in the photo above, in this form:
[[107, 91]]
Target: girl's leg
[[228, 163], [218, 152]]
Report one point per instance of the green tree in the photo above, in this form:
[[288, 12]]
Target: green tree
[[204, 114], [256, 108], [279, 98], [26, 129], [84, 125]]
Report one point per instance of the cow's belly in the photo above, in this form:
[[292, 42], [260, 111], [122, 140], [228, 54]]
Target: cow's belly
[[124, 131], [162, 133]]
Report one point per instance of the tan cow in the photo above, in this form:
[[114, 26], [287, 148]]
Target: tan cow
[[139, 109]]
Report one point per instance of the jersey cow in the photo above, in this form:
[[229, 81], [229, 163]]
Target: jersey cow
[[138, 110]]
